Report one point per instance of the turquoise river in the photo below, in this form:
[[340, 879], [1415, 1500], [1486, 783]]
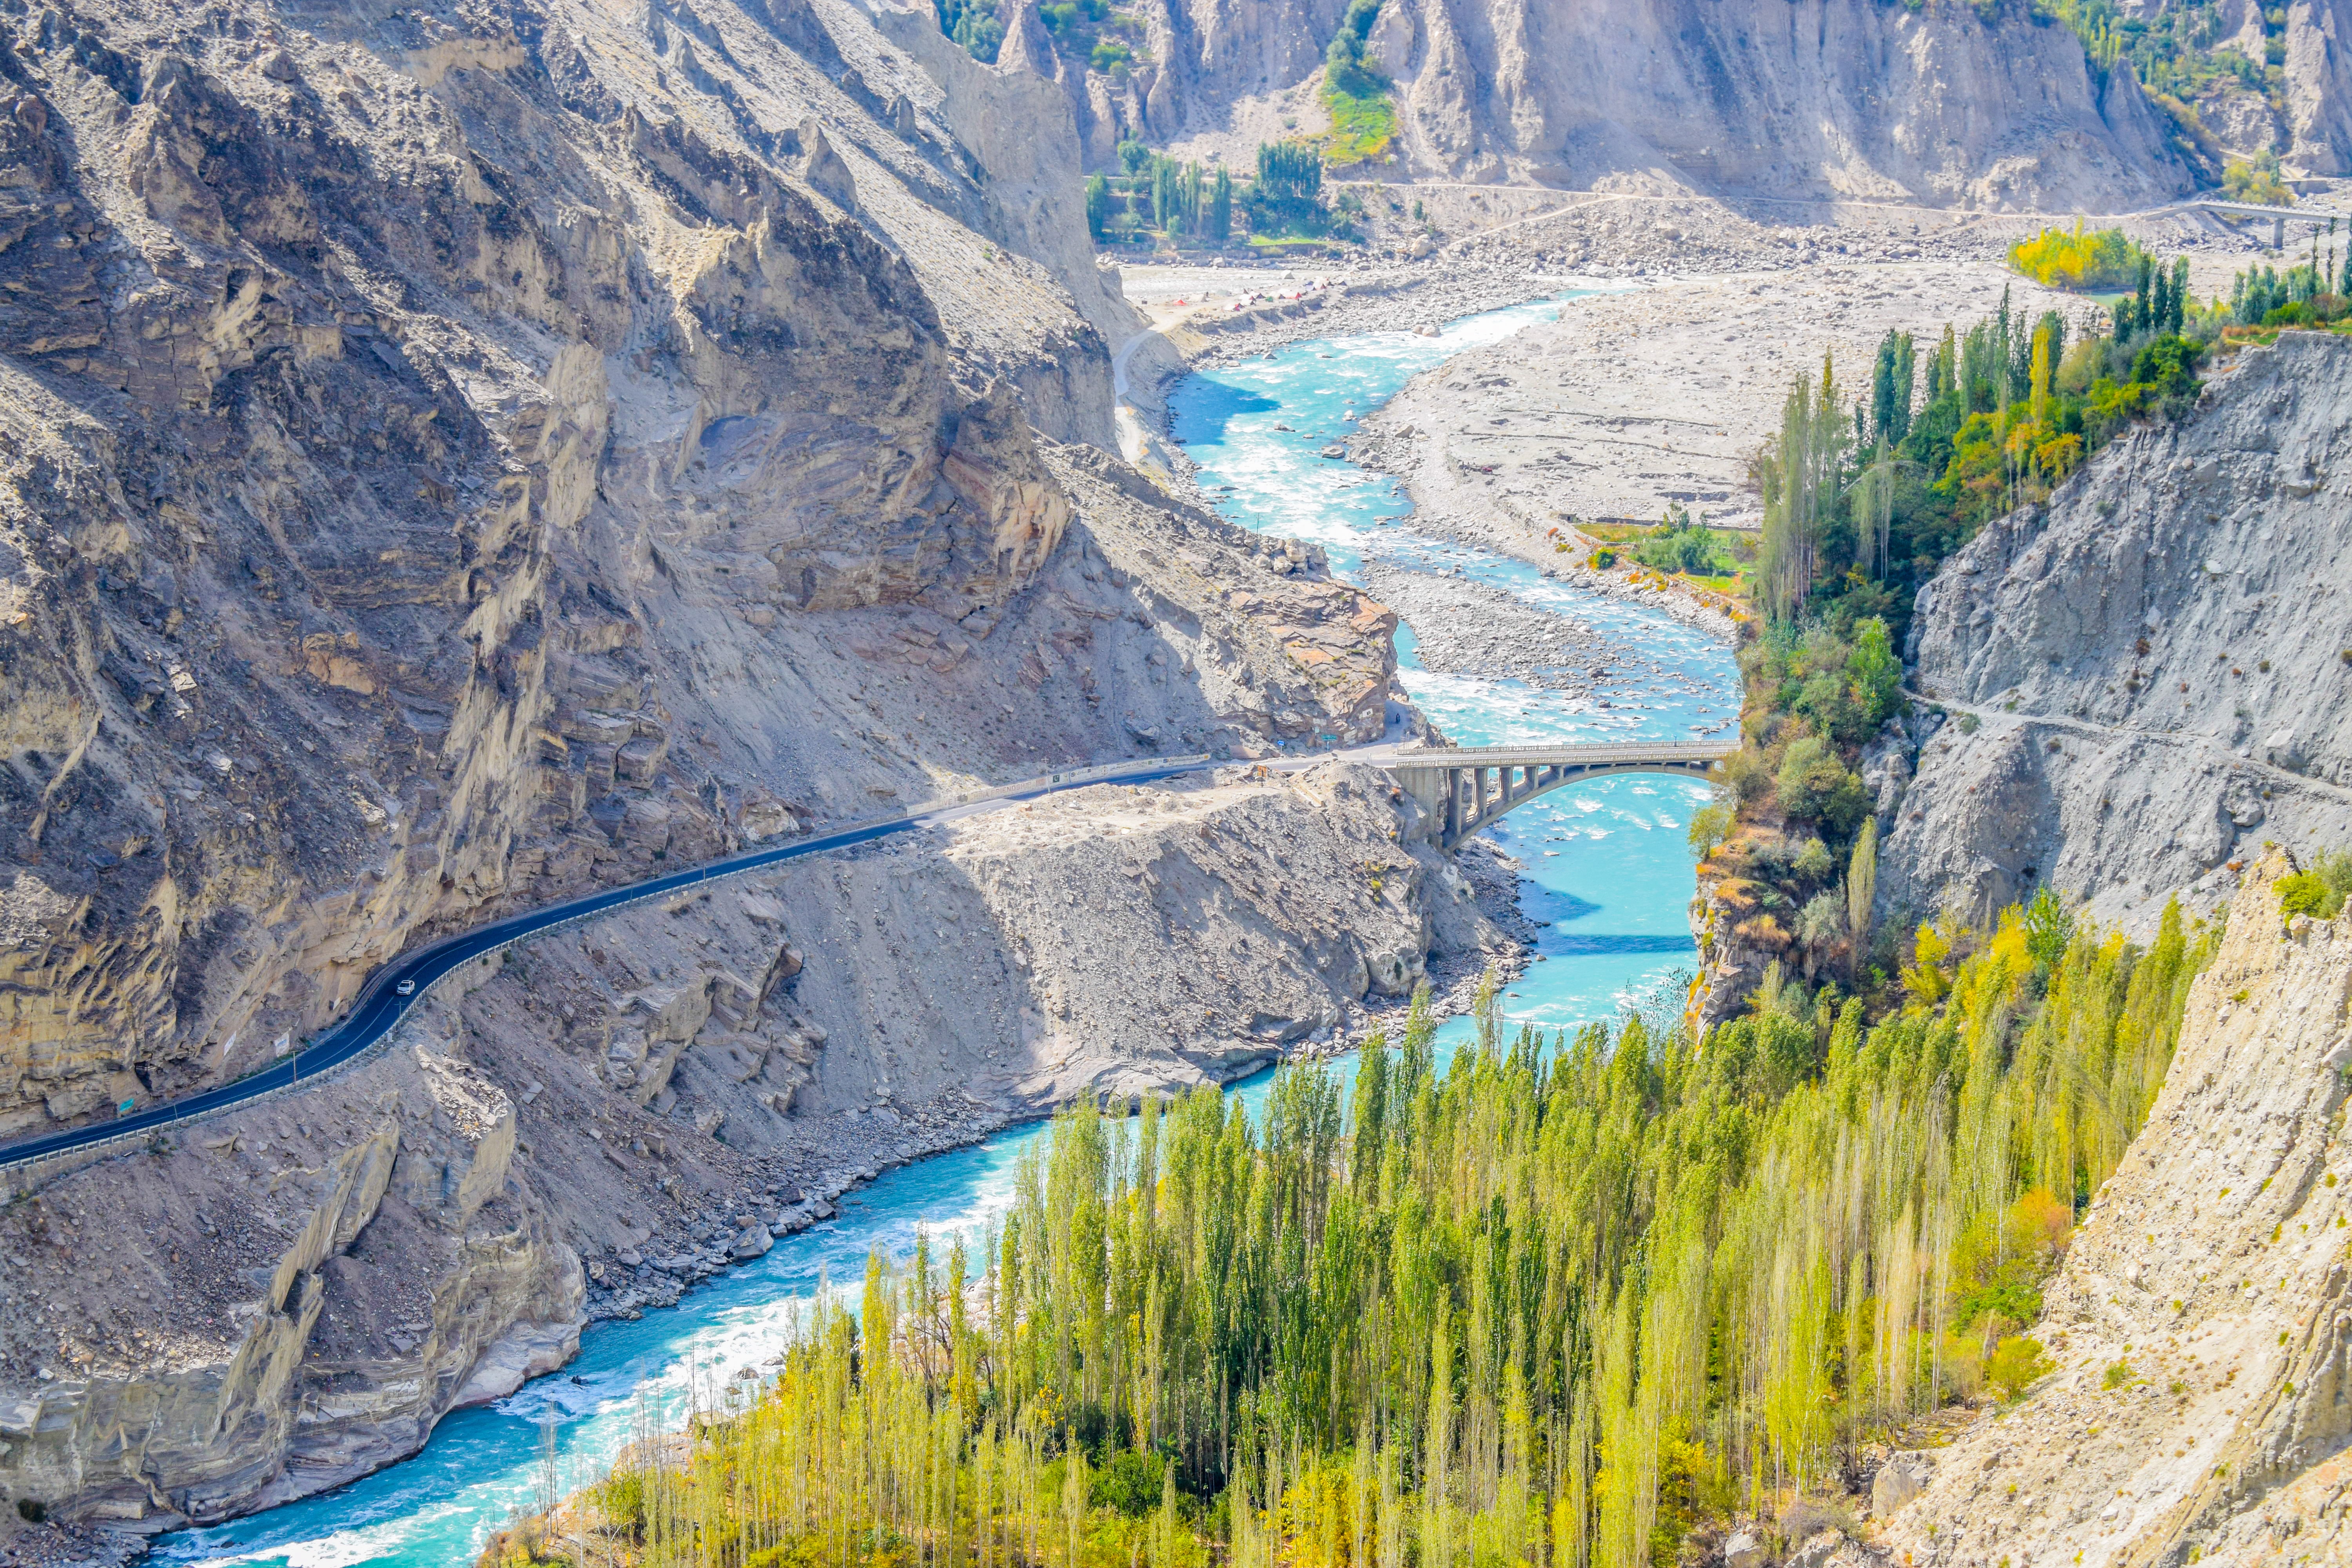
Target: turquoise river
[[1608, 875]]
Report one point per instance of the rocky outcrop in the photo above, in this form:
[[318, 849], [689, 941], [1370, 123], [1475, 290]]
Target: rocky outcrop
[[276, 1301], [1025, 133], [456, 460], [1943, 103], [2199, 1409], [2318, 86], [2150, 676]]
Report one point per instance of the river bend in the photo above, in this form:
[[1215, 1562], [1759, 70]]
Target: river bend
[[1608, 878]]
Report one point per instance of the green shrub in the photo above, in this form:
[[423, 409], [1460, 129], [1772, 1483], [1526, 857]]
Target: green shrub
[[1815, 786], [1823, 919], [2016, 1363], [2086, 263], [1604, 558], [1681, 546], [1813, 860], [1129, 1483], [1710, 827], [2257, 182], [2048, 929], [2117, 1373], [2319, 892], [2168, 364]]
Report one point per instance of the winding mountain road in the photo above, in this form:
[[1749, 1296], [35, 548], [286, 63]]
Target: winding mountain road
[[387, 995], [382, 1003], [2091, 729]]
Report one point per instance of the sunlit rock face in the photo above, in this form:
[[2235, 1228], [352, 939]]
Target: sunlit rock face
[[1940, 104], [412, 419]]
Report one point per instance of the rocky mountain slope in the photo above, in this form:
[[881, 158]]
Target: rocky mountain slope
[[2199, 1408], [2304, 113], [457, 458], [290, 1295], [2318, 80], [1944, 103], [2149, 676]]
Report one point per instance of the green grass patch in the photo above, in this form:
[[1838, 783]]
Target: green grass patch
[[1361, 128], [2234, 338]]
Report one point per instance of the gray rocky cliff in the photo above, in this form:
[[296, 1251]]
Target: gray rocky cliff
[[2225, 1436], [1944, 103], [2152, 675], [2318, 86], [452, 459]]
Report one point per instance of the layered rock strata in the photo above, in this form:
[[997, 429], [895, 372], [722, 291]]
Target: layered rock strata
[[1942, 103], [459, 458]]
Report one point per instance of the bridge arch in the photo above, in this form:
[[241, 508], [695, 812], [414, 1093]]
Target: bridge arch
[[1464, 788]]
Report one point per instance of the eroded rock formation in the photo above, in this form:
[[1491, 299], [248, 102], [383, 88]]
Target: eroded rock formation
[[2211, 1271], [277, 1301], [1945, 103], [289, 1295], [454, 459], [2149, 676]]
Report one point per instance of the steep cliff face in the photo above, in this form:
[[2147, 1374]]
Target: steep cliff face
[[287, 1298], [2212, 1270], [2318, 86], [1848, 98], [456, 458], [2151, 675]]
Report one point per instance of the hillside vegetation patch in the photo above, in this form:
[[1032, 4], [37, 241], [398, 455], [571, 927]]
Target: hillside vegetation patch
[[1566, 1300]]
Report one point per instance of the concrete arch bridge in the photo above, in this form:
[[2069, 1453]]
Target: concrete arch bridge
[[1463, 788]]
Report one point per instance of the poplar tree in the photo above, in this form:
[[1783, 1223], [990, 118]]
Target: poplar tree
[[2045, 350], [1905, 379], [1891, 381], [1874, 510], [1548, 1304], [1801, 479], [1861, 887], [1098, 206]]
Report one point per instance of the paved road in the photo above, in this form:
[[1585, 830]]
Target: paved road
[[379, 1004]]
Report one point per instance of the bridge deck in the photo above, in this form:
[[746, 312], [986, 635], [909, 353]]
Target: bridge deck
[[1554, 756], [1452, 783]]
